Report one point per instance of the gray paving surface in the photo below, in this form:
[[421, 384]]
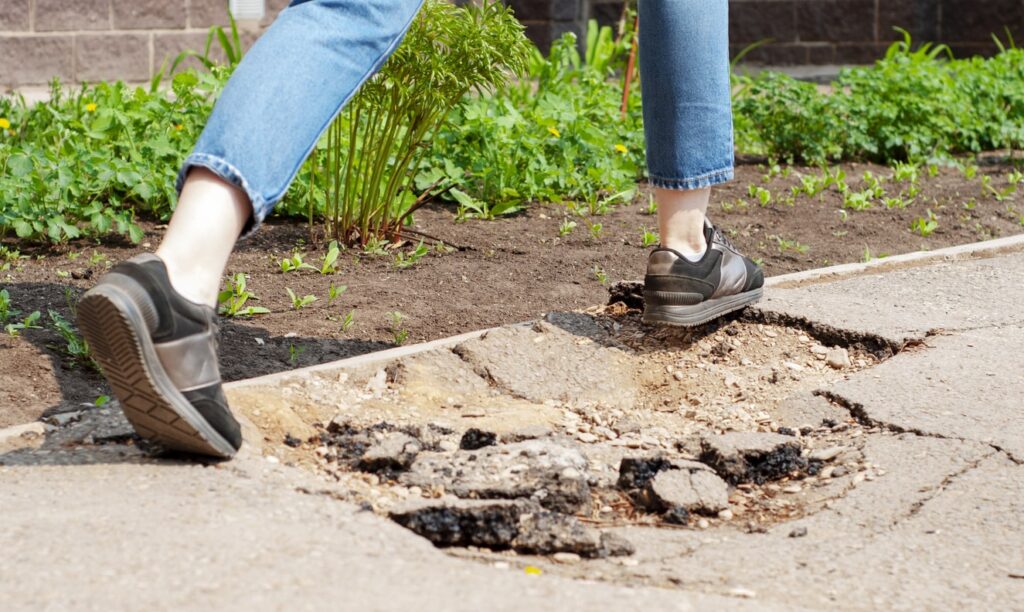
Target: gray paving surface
[[942, 527]]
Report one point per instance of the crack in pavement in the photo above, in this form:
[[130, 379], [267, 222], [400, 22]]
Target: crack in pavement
[[860, 414]]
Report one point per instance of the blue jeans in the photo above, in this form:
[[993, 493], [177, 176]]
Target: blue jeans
[[311, 61]]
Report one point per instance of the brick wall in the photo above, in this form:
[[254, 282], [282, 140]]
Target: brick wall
[[813, 31], [88, 40]]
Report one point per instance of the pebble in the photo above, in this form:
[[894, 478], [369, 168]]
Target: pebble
[[839, 471], [794, 488], [725, 515], [703, 524], [793, 366], [448, 446], [827, 472], [838, 358], [746, 361], [798, 532], [825, 454], [273, 459], [587, 438], [741, 592], [818, 349], [858, 477], [678, 375], [566, 557], [770, 334]]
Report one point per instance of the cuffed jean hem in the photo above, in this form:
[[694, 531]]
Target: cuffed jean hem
[[695, 182], [231, 175]]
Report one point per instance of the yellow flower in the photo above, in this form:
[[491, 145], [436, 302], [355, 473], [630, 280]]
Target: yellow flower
[[621, 148], [90, 107], [4, 124], [178, 127], [554, 132]]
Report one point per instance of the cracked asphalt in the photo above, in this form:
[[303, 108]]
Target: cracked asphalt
[[92, 528]]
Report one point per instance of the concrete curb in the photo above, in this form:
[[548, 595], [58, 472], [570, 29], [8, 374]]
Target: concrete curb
[[364, 360], [974, 250]]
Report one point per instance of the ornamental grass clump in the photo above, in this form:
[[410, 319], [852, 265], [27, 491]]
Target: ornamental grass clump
[[361, 176]]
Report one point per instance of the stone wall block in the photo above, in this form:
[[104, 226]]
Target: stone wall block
[[34, 60], [61, 15], [206, 13], [14, 16], [975, 21], [111, 57], [146, 14], [836, 20], [750, 21]]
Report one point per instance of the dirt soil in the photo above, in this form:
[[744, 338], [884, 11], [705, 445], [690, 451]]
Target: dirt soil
[[503, 271]]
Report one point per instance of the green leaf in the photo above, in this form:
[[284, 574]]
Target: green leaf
[[19, 165]]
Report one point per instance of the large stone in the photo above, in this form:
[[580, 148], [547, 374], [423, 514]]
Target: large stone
[[636, 472], [545, 362], [553, 475], [396, 451], [751, 456], [699, 491]]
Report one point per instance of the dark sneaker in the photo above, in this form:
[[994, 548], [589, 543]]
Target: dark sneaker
[[681, 292], [159, 353]]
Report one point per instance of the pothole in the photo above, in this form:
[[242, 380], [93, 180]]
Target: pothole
[[541, 439]]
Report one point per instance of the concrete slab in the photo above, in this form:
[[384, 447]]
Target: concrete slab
[[905, 305], [244, 535], [966, 386]]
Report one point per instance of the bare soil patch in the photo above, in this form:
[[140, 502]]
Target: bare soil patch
[[504, 271]]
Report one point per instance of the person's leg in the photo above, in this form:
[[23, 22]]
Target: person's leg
[[150, 321], [695, 275], [216, 210]]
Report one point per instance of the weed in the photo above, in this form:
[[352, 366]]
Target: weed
[[998, 194], [903, 172], [101, 400], [294, 264], [763, 196], [376, 246], [75, 345], [925, 226], [566, 227], [233, 298], [969, 171], [29, 322], [652, 205], [600, 274], [294, 352], [298, 303], [398, 334], [596, 229], [334, 292], [99, 259], [790, 245], [6, 310], [648, 238], [896, 202], [858, 200], [933, 170], [346, 321], [403, 260]]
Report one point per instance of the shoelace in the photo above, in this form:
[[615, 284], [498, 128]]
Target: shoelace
[[720, 237]]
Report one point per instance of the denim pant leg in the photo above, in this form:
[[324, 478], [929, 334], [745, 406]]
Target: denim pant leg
[[289, 87], [684, 68]]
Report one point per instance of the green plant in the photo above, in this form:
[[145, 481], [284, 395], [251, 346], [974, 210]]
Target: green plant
[[75, 345], [346, 322], [329, 261], [233, 298], [294, 263], [398, 334], [925, 226], [334, 292], [600, 274], [652, 205], [566, 227], [101, 400], [408, 260], [763, 196], [6, 310], [371, 153], [99, 259], [998, 194], [648, 238], [293, 354], [790, 245], [28, 322], [298, 303], [858, 200], [596, 229]]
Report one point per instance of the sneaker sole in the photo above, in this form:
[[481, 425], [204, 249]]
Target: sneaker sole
[[698, 314], [117, 333]]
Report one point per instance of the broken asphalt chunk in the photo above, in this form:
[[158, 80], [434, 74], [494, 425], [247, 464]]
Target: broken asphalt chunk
[[751, 456]]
